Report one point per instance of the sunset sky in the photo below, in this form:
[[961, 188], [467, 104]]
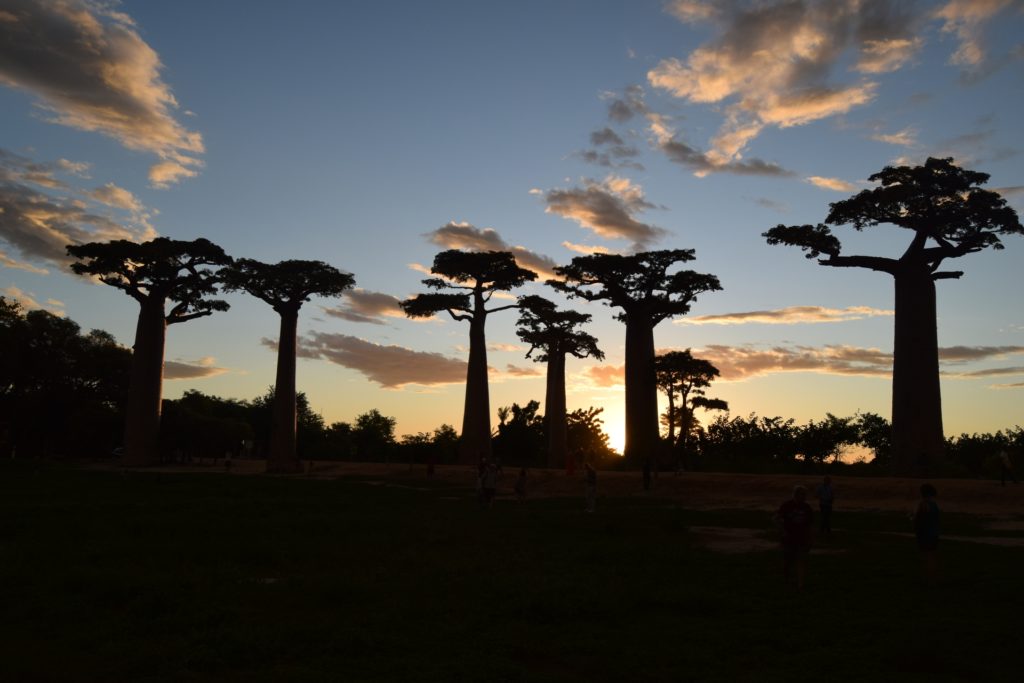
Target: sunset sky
[[373, 135]]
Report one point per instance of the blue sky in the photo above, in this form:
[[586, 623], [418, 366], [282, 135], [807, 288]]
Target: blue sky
[[372, 135]]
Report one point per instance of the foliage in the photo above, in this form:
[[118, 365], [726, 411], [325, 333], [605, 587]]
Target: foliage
[[681, 375], [821, 441], [374, 436], [285, 285], [520, 439], [588, 439], [551, 331], [472, 273]]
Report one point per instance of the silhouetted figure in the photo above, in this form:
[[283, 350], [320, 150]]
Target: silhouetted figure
[[590, 474], [490, 483], [521, 486], [795, 518], [826, 496], [1006, 467], [926, 531]]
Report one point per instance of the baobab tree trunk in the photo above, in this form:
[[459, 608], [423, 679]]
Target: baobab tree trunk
[[142, 413], [917, 439], [554, 410], [476, 416], [283, 456], [641, 391]]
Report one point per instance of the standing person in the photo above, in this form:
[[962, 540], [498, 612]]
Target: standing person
[[826, 496], [926, 531], [591, 477], [795, 518], [521, 485], [1006, 467], [490, 483]]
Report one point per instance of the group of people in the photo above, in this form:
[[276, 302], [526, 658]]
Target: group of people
[[489, 472], [796, 522]]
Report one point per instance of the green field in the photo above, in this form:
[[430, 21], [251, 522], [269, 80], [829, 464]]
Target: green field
[[208, 577]]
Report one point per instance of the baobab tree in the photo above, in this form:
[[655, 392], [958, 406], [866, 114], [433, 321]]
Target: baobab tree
[[647, 293], [477, 275], [555, 335], [949, 215], [285, 286], [682, 376], [153, 273]]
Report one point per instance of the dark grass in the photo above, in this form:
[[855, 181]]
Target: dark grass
[[209, 577]]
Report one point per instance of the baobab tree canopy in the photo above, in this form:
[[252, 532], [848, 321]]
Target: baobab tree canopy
[[949, 215], [161, 269], [288, 283], [549, 330]]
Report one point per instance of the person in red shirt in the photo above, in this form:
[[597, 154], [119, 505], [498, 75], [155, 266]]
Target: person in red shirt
[[795, 519]]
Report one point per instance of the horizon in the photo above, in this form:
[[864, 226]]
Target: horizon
[[372, 140]]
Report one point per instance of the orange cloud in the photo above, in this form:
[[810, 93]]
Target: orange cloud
[[787, 316]]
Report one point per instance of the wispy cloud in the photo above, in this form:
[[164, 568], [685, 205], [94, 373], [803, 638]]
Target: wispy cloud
[[787, 316], [601, 376], [904, 138], [586, 248], [608, 208], [834, 184], [965, 19], [8, 262], [89, 69], [28, 302], [364, 306], [454, 235], [390, 366], [196, 369]]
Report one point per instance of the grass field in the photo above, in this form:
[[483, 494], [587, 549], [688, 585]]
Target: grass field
[[211, 577]]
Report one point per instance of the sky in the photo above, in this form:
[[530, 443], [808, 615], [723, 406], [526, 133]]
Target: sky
[[372, 136]]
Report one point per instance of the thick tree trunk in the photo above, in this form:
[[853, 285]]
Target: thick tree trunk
[[142, 414], [917, 439], [476, 416], [641, 391], [283, 456], [554, 411]]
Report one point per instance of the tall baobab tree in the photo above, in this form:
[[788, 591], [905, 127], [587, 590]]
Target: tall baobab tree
[[555, 335], [153, 273], [477, 275], [285, 286], [647, 293], [682, 376], [949, 215]]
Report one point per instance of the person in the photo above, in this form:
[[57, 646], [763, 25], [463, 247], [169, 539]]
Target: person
[[1006, 467], [591, 477], [795, 519], [926, 530], [826, 496], [490, 483], [521, 486]]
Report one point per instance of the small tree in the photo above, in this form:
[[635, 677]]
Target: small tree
[[476, 276], [682, 376], [948, 215], [285, 286], [554, 334], [642, 287], [153, 273]]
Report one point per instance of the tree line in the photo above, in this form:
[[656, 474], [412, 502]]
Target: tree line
[[943, 206]]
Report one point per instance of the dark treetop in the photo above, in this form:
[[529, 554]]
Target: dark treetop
[[549, 330], [288, 284], [158, 270], [479, 272]]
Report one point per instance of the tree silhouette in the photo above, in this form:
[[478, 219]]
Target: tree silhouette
[[285, 286], [153, 273], [681, 375], [647, 293], [553, 333], [949, 215], [479, 274]]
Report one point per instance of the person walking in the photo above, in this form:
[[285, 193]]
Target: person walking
[[795, 519]]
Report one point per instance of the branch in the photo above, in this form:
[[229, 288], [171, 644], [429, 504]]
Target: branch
[[459, 316], [501, 308], [885, 265], [948, 275], [172, 319]]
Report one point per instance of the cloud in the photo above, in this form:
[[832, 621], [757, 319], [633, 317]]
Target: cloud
[[586, 248], [392, 367], [166, 173], [112, 195], [965, 19], [831, 184], [605, 136], [702, 163], [1010, 191], [495, 346], [363, 306], [516, 371], [770, 63], [197, 369], [607, 208], [603, 376], [7, 262], [455, 235], [904, 138], [771, 204], [89, 69], [622, 108], [1013, 385], [787, 316], [738, 363], [28, 302]]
